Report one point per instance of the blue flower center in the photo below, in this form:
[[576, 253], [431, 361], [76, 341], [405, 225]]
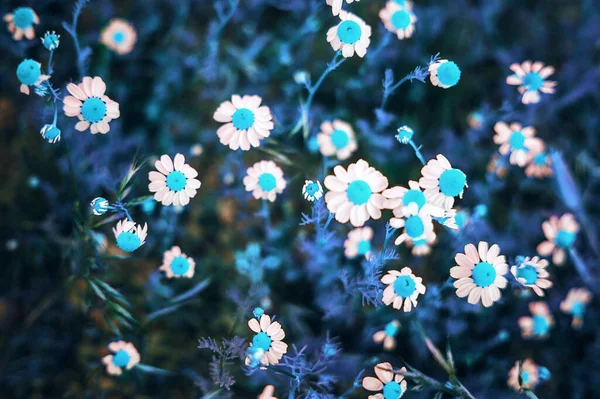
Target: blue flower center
[[119, 37], [419, 242], [517, 141], [392, 390], [540, 159], [448, 73], [23, 17], [484, 274], [578, 309], [267, 181], [404, 286], [401, 2], [52, 133], [28, 72], [564, 239], [401, 19], [128, 241], [533, 81], [540, 325], [243, 119], [121, 358], [359, 192], [391, 329], [452, 182], [349, 32], [529, 273], [414, 226], [416, 196], [180, 266], [176, 181], [93, 110], [461, 219], [50, 41], [364, 246], [524, 377], [262, 341], [312, 188], [339, 138]]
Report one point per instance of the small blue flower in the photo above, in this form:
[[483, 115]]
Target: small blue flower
[[33, 182], [405, 134], [388, 335], [444, 73], [302, 77], [50, 133], [312, 190], [99, 206], [51, 41], [258, 312], [29, 73], [148, 206]]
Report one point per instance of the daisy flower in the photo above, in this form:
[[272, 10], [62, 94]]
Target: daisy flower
[[177, 264], [119, 36], [404, 134], [388, 335], [560, 235], [402, 286], [21, 21], [575, 303], [479, 273], [399, 198], [533, 274], [418, 228], [528, 373], [444, 73], [539, 166], [267, 392], [358, 242], [99, 206], [89, 104], [398, 20], [175, 182], [29, 73], [125, 357], [312, 191], [265, 180], [337, 139], [51, 133], [531, 79], [336, 5], [246, 122], [351, 35], [355, 193], [518, 141], [442, 182], [268, 339], [392, 385], [50, 41], [129, 235], [537, 326]]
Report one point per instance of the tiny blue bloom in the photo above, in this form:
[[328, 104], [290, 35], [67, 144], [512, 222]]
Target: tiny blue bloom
[[258, 312], [29, 72], [99, 206], [405, 134], [23, 17], [51, 41], [51, 133], [312, 190]]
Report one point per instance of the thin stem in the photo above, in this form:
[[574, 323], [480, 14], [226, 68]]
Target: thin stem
[[329, 219], [417, 151], [389, 90]]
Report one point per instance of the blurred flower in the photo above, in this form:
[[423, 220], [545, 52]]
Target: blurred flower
[[575, 303], [533, 274], [246, 122], [176, 264], [444, 73], [475, 119], [11, 245], [302, 77], [560, 235], [268, 339], [405, 134], [539, 166], [21, 21], [50, 133], [393, 386], [337, 138], [531, 79], [125, 357], [388, 335], [258, 312], [336, 5], [175, 182], [498, 166], [197, 149], [523, 376], [99, 206], [399, 20], [539, 325], [355, 193], [89, 104], [418, 228], [312, 191], [129, 235], [517, 141], [51, 41], [351, 35], [479, 273], [312, 144], [442, 182], [265, 180], [148, 206], [358, 242], [33, 182], [267, 392], [29, 73], [402, 286], [119, 36]]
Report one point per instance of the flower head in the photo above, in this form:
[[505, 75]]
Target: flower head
[[442, 182], [129, 235], [29, 73], [267, 392], [523, 375], [392, 385], [560, 235], [176, 264], [398, 19], [539, 325], [531, 79], [480, 273], [312, 190], [337, 139], [518, 141], [124, 356], [402, 287], [444, 73], [351, 35], [418, 227], [533, 274], [51, 41], [355, 193], [540, 165], [175, 182], [336, 5], [405, 134], [50, 133], [265, 180], [99, 206], [119, 36], [388, 335], [399, 198], [90, 105], [575, 303], [21, 21], [358, 242], [246, 122], [267, 340]]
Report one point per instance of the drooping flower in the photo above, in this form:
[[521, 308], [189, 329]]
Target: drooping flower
[[175, 182], [336, 5], [575, 303], [351, 35], [418, 228], [539, 166], [312, 190], [355, 193], [402, 287], [398, 19], [267, 392], [531, 79], [51, 40], [480, 273], [392, 386], [267, 340], [560, 235], [444, 73], [21, 22], [99, 206], [176, 264], [523, 376], [51, 133], [129, 235], [388, 335], [29, 73], [518, 141], [90, 105], [442, 182], [533, 274], [119, 36], [539, 325], [358, 242], [265, 180], [124, 357], [337, 139], [246, 122]]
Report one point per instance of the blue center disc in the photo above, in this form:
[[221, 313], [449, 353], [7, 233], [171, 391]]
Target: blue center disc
[[267, 181], [540, 325], [452, 182], [391, 329], [401, 19], [176, 181], [414, 226], [180, 266], [533, 81], [93, 110], [28, 72], [128, 242], [404, 286], [448, 73], [339, 138], [564, 239], [484, 274], [540, 159], [392, 390], [121, 358], [349, 32], [359, 192], [119, 37], [364, 246], [578, 309], [312, 188], [517, 141], [243, 119], [262, 341], [529, 273], [23, 17], [414, 196]]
